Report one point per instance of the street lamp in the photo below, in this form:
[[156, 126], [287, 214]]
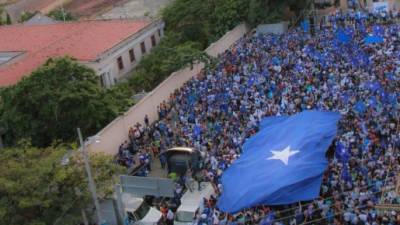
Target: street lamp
[[92, 186]]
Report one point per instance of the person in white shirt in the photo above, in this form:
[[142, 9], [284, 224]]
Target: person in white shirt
[[170, 217]]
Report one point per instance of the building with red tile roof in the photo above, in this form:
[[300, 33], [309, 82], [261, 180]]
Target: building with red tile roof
[[111, 47]]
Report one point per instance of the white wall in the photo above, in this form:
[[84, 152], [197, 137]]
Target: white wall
[[116, 132], [275, 28], [107, 62]]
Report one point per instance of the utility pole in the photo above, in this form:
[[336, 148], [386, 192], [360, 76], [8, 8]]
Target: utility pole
[[85, 221], [63, 14], [92, 186]]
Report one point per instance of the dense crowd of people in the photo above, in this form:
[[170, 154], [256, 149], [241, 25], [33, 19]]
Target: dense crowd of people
[[271, 75]]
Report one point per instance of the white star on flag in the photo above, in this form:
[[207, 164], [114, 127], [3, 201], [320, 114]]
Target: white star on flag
[[283, 155]]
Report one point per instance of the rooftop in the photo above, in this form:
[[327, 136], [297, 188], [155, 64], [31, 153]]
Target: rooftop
[[83, 41]]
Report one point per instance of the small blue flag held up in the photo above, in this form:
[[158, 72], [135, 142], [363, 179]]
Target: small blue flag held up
[[305, 25], [373, 39], [196, 131], [342, 153], [281, 164], [378, 30], [342, 36], [346, 174], [362, 28], [360, 107]]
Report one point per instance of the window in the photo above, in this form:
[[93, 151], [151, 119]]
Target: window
[[143, 47], [159, 33], [120, 63], [8, 56], [153, 40], [131, 55], [102, 80], [105, 80]]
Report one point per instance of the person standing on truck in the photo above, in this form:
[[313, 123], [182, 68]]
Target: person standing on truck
[[189, 181], [198, 179]]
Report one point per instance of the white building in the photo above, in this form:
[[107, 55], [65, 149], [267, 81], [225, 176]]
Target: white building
[[111, 47], [115, 63]]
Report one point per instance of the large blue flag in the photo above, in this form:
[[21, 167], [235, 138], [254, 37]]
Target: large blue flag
[[281, 164], [342, 36]]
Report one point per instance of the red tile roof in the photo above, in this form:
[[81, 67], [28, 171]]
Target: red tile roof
[[83, 41]]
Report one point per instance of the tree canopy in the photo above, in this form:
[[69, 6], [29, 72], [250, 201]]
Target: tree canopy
[[37, 188], [204, 21], [61, 15], [167, 57], [8, 19], [4, 17], [54, 100], [207, 21]]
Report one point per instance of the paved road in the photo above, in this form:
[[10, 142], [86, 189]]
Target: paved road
[[156, 170]]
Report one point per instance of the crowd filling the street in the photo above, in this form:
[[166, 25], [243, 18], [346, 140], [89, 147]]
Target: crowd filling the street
[[337, 68]]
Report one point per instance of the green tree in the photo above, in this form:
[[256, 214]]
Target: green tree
[[54, 100], [61, 15], [271, 11], [256, 12], [204, 21], [226, 15], [37, 188], [164, 59], [26, 16], [189, 18], [1, 16], [8, 19]]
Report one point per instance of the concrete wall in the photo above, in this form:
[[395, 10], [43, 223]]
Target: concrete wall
[[107, 65], [109, 139], [343, 4], [275, 28]]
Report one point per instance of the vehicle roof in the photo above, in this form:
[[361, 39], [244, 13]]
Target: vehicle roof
[[182, 149], [191, 201], [131, 203], [153, 216]]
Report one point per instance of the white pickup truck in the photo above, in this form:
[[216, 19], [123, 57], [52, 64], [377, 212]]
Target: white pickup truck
[[138, 212], [192, 201]]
